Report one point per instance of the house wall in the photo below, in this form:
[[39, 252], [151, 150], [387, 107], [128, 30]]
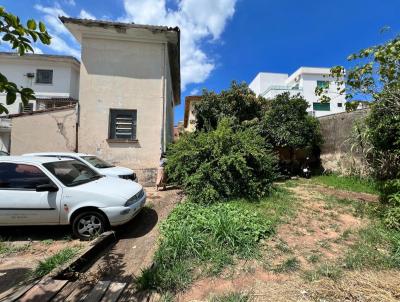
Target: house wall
[[123, 74], [65, 77], [336, 155], [41, 132]]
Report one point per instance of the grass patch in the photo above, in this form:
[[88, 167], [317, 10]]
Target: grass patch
[[232, 297], [46, 266], [327, 270], [348, 183], [289, 265], [376, 247], [7, 248], [200, 240]]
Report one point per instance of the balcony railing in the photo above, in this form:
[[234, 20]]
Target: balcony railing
[[281, 89]]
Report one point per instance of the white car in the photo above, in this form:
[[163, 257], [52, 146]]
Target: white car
[[94, 162], [61, 191]]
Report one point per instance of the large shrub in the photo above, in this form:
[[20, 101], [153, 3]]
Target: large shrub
[[238, 103], [228, 162]]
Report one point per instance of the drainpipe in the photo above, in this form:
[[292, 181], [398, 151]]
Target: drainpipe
[[77, 127], [163, 132]]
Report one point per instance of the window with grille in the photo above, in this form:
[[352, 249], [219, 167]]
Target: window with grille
[[27, 108], [44, 76], [123, 124]]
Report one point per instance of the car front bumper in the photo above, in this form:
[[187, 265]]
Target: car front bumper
[[120, 215]]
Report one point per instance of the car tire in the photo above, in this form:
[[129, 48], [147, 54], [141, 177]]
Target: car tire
[[87, 225]]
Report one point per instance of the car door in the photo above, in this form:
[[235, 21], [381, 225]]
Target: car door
[[20, 203]]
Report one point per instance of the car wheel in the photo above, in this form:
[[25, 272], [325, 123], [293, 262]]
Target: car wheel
[[89, 224]]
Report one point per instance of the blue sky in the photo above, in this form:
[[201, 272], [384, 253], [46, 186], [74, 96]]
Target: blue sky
[[225, 40]]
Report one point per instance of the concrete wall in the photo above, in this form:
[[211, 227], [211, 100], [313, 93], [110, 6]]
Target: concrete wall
[[40, 132], [123, 74], [336, 153]]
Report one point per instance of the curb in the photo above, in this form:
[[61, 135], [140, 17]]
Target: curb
[[86, 257]]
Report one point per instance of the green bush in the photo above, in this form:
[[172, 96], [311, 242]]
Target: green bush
[[229, 162], [203, 239], [392, 218]]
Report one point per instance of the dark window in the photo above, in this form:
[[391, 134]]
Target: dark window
[[21, 176], [321, 106], [27, 108], [44, 76], [123, 124], [339, 104], [323, 84]]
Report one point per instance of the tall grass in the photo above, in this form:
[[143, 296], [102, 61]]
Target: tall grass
[[46, 266], [348, 183], [201, 239]]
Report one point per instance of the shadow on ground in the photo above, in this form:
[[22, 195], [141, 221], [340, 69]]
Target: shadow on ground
[[141, 225], [28, 233]]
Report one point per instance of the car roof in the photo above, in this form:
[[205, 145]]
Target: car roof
[[56, 154], [31, 159]]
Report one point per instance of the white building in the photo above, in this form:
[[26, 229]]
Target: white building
[[302, 81], [54, 78]]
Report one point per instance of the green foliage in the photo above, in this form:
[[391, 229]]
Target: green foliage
[[202, 239], [289, 265], [286, 123], [376, 247], [198, 237], [324, 270], [46, 266], [228, 162], [238, 103], [232, 297], [20, 38], [348, 183], [392, 218]]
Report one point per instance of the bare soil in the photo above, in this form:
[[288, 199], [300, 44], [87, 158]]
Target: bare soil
[[25, 248], [320, 233]]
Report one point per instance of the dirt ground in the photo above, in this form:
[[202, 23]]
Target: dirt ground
[[137, 240], [24, 247], [319, 234]]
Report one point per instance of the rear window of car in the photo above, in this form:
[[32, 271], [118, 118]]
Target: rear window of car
[[21, 176]]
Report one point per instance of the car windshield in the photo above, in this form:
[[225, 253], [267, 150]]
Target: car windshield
[[97, 162], [72, 172]]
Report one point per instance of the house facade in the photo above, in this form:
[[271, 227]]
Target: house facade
[[189, 120], [303, 81], [129, 86], [55, 80]]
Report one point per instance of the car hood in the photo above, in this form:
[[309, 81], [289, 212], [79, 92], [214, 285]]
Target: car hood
[[115, 171], [111, 186]]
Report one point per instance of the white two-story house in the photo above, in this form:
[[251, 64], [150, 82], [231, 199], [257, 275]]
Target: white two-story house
[[304, 82], [54, 78]]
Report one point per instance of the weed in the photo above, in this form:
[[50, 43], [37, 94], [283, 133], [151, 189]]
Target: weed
[[46, 266], [289, 265], [325, 270], [7, 248], [198, 239], [232, 297], [348, 183], [283, 246], [313, 258], [48, 241], [324, 243]]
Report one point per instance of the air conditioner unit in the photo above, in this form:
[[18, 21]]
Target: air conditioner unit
[[30, 75]]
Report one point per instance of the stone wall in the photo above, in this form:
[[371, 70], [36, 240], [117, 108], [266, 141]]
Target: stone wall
[[336, 129]]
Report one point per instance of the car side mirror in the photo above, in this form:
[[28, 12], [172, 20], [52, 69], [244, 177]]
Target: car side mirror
[[47, 188]]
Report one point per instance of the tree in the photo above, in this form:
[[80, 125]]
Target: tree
[[20, 38], [286, 124], [238, 103]]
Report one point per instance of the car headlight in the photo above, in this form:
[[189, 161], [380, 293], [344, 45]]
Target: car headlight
[[134, 198]]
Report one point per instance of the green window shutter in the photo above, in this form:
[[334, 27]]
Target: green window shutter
[[321, 106]]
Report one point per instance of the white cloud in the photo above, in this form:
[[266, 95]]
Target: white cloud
[[70, 2], [195, 91], [198, 20], [62, 40], [37, 50], [86, 15]]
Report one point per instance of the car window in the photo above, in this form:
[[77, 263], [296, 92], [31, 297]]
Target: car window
[[21, 176], [97, 162], [72, 172]]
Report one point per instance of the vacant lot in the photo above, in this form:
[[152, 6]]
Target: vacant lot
[[327, 244]]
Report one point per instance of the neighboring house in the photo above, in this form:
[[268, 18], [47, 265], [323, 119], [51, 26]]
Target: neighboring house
[[189, 121], [303, 81], [129, 86], [55, 80]]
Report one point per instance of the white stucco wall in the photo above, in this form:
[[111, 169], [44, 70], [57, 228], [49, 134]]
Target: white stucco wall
[[122, 74], [65, 76]]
